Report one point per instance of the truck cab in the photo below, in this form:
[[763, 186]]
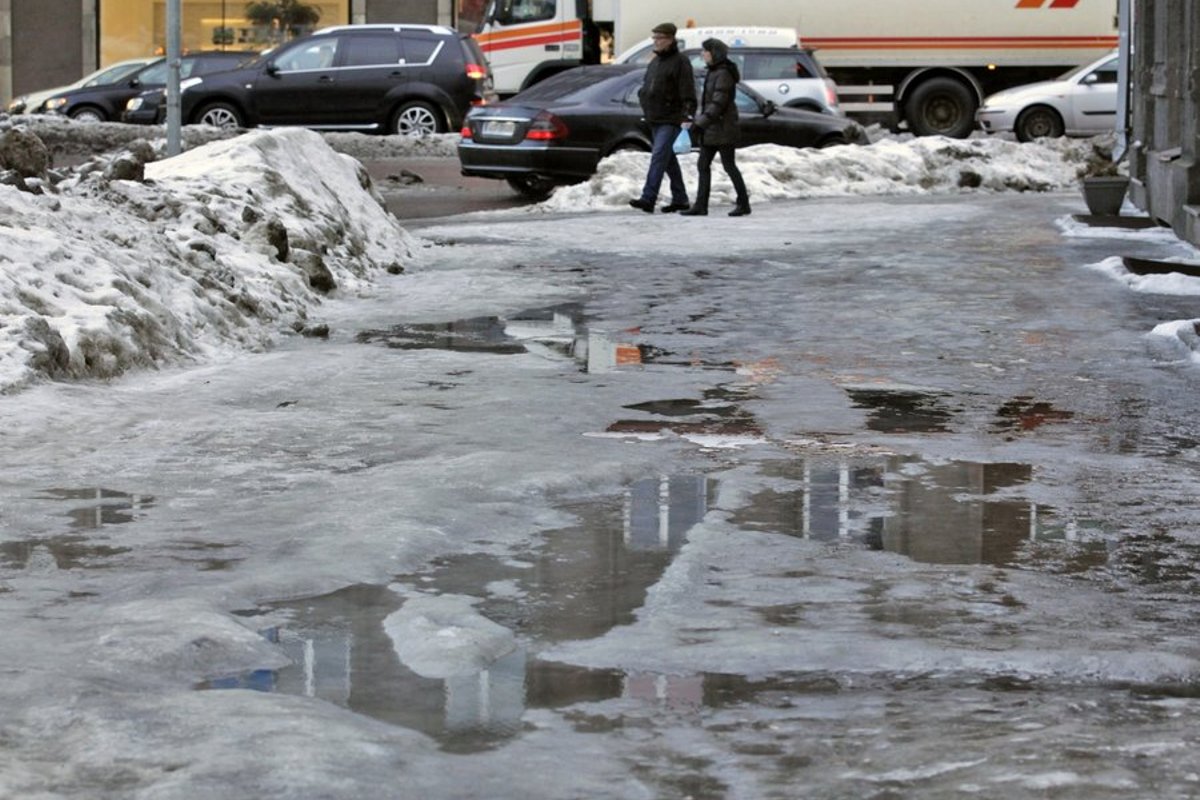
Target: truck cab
[[526, 41]]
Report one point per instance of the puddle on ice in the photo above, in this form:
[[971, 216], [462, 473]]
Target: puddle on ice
[[956, 512], [559, 331], [718, 414], [1026, 414], [96, 507], [902, 410], [579, 582], [89, 510]]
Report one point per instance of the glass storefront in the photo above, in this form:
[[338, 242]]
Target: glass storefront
[[132, 28]]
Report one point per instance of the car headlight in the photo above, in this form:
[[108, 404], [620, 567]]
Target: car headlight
[[134, 104], [55, 103]]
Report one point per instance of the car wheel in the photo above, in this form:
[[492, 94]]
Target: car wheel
[[832, 141], [417, 118], [1039, 121], [87, 114], [533, 187], [941, 107], [221, 115]]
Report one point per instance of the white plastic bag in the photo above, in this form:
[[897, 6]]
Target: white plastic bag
[[682, 143]]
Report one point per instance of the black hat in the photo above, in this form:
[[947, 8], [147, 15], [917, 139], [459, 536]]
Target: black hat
[[666, 29]]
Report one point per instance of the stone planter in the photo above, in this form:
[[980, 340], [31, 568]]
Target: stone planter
[[1104, 195]]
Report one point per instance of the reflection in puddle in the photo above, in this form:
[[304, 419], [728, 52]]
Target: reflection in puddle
[[102, 506], [718, 414], [949, 513], [581, 582], [91, 510], [556, 331], [902, 410], [477, 335], [1024, 414]]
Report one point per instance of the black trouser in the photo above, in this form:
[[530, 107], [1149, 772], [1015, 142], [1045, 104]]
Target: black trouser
[[707, 153]]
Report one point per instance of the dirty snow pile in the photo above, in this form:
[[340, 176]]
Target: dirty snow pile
[[889, 166], [135, 262]]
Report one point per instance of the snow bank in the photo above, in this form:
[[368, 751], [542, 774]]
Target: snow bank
[[891, 166], [219, 249]]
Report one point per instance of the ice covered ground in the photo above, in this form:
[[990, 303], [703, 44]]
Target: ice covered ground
[[238, 240], [142, 513]]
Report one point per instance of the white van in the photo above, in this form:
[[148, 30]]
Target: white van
[[732, 35]]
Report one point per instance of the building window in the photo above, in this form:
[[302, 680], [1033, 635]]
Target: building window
[[132, 28]]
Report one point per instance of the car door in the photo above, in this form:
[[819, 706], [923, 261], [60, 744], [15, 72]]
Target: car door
[[299, 86], [754, 126], [373, 64], [1094, 100]]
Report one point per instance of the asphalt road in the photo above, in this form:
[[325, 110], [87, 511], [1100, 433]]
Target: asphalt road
[[424, 188]]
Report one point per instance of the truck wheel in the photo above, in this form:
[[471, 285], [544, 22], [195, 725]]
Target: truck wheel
[[1039, 121], [417, 118], [221, 115], [531, 186], [941, 107]]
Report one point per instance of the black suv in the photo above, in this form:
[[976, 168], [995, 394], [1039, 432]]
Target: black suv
[[105, 103], [397, 79]]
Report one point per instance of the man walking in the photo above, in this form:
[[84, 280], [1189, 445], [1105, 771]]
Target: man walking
[[668, 98]]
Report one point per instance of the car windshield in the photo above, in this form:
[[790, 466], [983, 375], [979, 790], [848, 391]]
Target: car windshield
[[567, 85], [113, 74]]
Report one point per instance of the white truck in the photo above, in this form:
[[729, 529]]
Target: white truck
[[926, 64]]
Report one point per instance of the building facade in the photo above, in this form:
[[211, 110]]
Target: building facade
[[1165, 112], [46, 43]]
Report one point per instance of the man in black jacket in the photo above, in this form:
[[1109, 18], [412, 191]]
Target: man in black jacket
[[668, 98]]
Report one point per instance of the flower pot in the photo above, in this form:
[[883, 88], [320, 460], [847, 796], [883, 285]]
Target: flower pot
[[1104, 195]]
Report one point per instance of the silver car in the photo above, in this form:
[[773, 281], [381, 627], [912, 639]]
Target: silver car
[[1082, 102]]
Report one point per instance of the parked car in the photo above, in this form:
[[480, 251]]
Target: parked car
[[1083, 102], [403, 79], [105, 103], [556, 131], [770, 60], [32, 102]]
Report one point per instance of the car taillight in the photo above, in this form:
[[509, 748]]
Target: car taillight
[[476, 72], [831, 95], [465, 132], [546, 127]]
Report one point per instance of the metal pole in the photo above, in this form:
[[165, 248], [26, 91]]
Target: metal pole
[[174, 14], [1124, 40]]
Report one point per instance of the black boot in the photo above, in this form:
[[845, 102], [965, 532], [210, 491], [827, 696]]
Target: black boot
[[742, 209], [695, 211]]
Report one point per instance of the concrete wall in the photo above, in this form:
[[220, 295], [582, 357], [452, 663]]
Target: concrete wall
[[424, 11], [47, 44], [1165, 109], [6, 91]]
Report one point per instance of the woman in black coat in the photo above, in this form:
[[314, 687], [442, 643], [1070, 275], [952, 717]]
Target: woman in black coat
[[716, 128]]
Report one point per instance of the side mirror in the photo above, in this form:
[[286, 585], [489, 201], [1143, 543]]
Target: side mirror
[[769, 108], [1090, 78], [134, 83], [272, 69]]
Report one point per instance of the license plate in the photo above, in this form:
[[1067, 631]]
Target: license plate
[[492, 127]]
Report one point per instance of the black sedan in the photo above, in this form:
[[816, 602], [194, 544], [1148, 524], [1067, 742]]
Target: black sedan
[[106, 103], [557, 131]]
